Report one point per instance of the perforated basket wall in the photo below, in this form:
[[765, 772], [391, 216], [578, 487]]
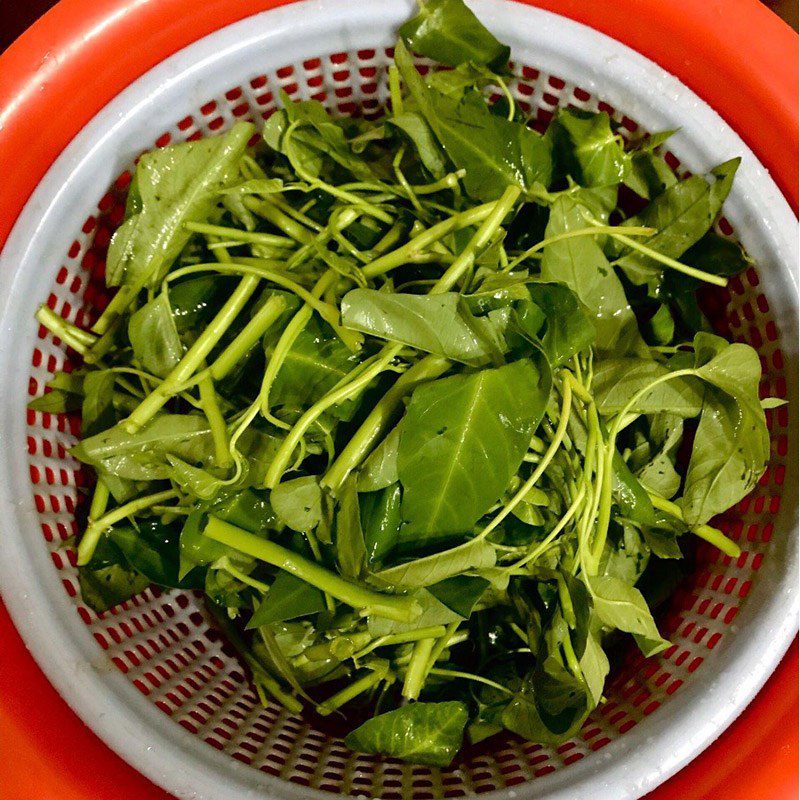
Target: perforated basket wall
[[164, 643]]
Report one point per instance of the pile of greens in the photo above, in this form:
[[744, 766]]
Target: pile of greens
[[405, 399]]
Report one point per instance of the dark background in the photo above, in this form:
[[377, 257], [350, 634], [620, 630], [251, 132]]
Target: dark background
[[17, 15]]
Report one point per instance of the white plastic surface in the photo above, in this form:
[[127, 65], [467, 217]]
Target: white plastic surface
[[635, 761]]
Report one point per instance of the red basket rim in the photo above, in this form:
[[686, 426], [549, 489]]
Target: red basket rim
[[78, 56]]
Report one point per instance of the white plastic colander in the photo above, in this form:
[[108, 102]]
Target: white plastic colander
[[152, 677]]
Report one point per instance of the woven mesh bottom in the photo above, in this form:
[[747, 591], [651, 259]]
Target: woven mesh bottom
[[165, 644]]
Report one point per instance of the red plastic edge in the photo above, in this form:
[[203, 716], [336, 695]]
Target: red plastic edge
[[734, 53]]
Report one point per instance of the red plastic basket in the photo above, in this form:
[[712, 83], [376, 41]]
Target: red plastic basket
[[75, 60]]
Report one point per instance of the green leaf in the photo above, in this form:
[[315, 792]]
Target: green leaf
[[626, 553], [414, 126], [594, 154], [550, 707], [434, 612], [595, 667], [152, 550], [662, 538], [462, 440], [144, 455], [717, 255], [379, 470], [617, 380], [380, 520], [629, 494], [193, 481], [494, 151], [288, 598], [195, 549], [154, 337], [681, 214], [648, 174], [436, 323], [580, 264], [108, 580], [437, 567], [317, 361], [174, 185], [351, 549], [97, 409], [461, 593], [731, 446], [659, 474], [448, 32], [298, 503], [421, 733], [568, 328], [622, 607]]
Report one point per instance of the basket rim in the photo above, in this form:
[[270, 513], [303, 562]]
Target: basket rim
[[19, 612]]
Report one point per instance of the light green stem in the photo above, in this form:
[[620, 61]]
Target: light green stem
[[79, 340], [523, 490], [219, 432], [239, 235], [288, 337], [396, 607], [270, 212], [432, 631], [377, 672], [96, 528], [469, 676], [707, 277], [260, 323], [194, 357], [710, 534], [604, 508], [487, 229], [282, 458], [88, 544], [594, 230], [379, 419], [417, 668], [419, 244]]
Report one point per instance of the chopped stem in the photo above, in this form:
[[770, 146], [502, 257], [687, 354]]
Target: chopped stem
[[97, 527], [88, 544], [710, 534], [396, 607], [195, 356]]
